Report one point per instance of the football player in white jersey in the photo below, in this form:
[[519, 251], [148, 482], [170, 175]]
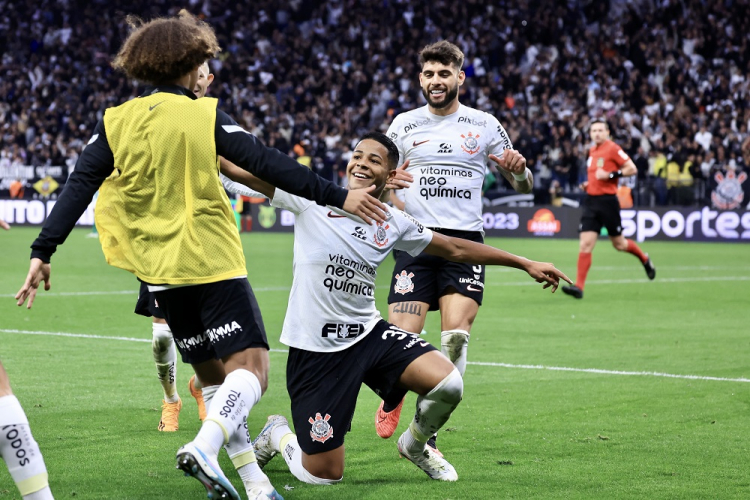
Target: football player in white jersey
[[337, 339], [448, 146]]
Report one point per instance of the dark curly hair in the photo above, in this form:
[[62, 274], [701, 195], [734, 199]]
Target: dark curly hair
[[165, 49], [442, 52]]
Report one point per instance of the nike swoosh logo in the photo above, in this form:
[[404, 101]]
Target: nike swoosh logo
[[415, 143], [335, 216], [151, 108], [472, 289]]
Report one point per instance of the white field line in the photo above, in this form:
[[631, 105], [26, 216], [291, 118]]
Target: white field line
[[133, 292], [609, 372], [624, 281], [636, 267], [477, 363]]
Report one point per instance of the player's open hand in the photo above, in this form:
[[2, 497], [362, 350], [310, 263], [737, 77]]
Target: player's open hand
[[544, 272], [584, 186], [359, 202], [4, 225], [38, 272], [511, 161], [399, 178]]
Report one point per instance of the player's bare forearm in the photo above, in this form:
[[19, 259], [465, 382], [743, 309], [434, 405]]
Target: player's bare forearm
[[242, 176], [512, 165], [460, 250], [525, 186]]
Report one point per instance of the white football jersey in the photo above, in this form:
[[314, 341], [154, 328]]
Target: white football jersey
[[448, 158], [332, 301]]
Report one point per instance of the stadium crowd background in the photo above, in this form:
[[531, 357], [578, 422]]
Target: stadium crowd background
[[310, 76]]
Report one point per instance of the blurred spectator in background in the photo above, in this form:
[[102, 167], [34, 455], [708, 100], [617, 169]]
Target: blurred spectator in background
[[671, 76]]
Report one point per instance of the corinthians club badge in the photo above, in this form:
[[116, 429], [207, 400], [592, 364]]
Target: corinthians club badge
[[321, 430]]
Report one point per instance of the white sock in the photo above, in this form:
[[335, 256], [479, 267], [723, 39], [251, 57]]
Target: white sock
[[197, 383], [165, 357], [21, 452], [433, 411], [241, 453], [234, 399], [292, 454], [454, 344], [208, 394]]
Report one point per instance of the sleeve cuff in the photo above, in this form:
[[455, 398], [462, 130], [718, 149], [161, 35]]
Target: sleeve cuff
[[42, 255], [338, 198]]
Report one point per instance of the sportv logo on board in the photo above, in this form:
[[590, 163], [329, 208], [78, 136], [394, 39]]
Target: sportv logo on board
[[703, 224]]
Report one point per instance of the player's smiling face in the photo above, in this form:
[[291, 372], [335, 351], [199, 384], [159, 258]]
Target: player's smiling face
[[368, 166], [440, 83]]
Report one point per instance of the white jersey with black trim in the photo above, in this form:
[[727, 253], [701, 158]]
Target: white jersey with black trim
[[336, 256], [448, 158]]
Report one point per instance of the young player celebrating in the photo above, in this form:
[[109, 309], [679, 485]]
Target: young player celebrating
[[162, 344], [606, 164], [337, 339], [448, 146], [163, 215]]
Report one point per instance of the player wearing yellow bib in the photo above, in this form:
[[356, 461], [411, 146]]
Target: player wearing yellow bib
[[163, 215]]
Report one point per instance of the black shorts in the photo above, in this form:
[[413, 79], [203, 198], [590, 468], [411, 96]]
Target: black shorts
[[601, 211], [214, 320], [426, 278], [324, 386], [147, 304]]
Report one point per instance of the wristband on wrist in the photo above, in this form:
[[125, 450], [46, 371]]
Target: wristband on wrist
[[615, 175], [521, 177]]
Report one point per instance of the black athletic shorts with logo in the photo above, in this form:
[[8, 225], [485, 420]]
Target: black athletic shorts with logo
[[601, 211], [324, 386], [425, 278], [147, 305], [213, 320]]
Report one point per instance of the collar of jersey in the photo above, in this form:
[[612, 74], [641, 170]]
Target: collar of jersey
[[171, 89]]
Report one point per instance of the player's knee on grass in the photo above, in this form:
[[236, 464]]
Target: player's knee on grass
[[323, 468], [308, 478]]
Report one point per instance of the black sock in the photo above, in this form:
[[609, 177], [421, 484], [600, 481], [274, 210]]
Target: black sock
[[392, 400]]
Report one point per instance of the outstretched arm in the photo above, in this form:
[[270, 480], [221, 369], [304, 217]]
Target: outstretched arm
[[460, 250], [240, 176], [246, 151], [94, 165]]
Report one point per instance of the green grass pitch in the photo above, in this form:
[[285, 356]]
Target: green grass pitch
[[563, 398]]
